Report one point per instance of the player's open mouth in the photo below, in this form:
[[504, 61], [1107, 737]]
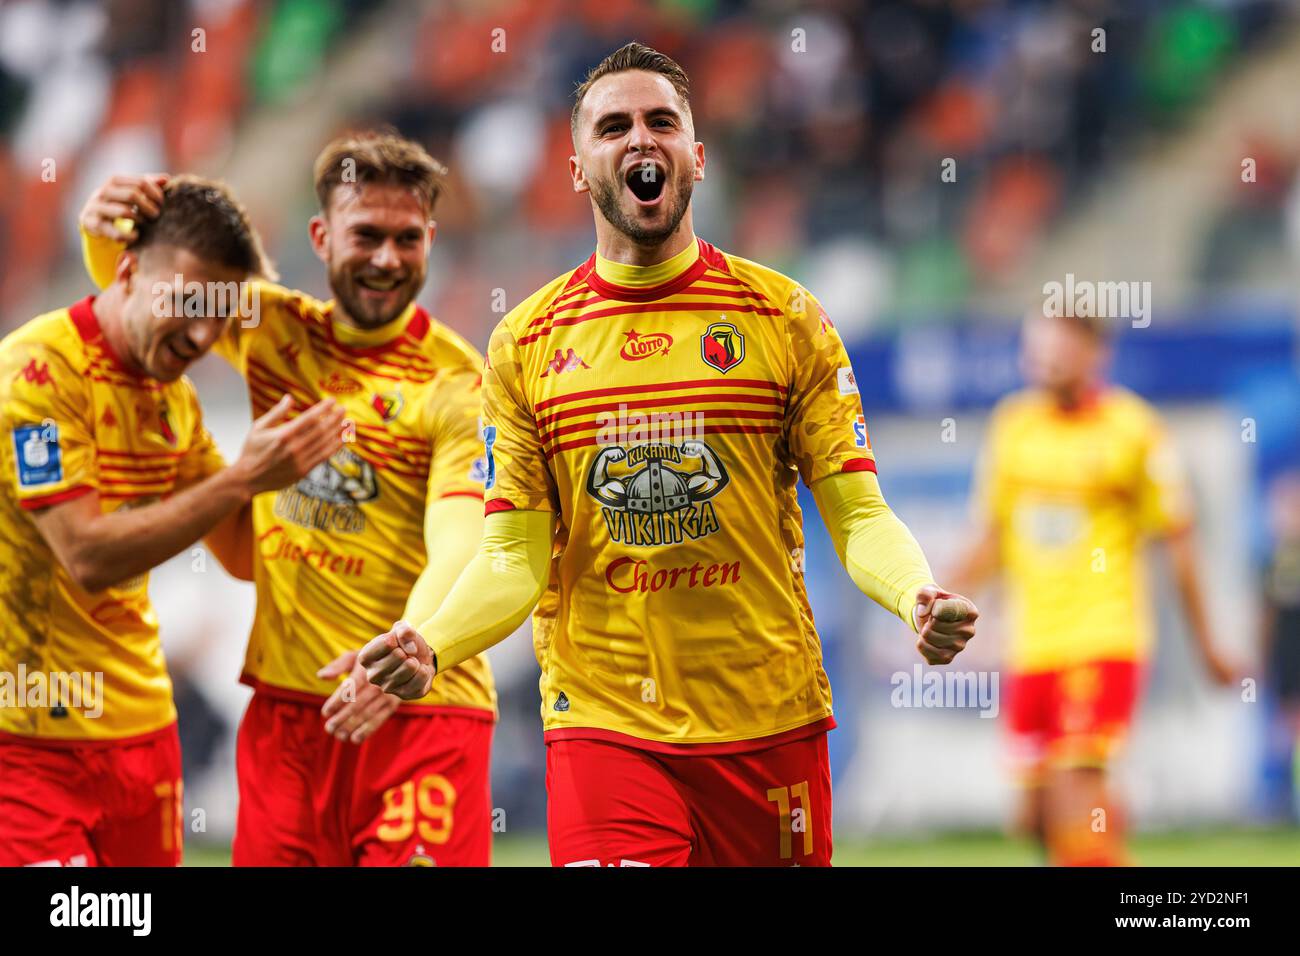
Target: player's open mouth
[[646, 183]]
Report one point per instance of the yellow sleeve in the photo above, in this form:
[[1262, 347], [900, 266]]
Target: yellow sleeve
[[458, 467], [877, 550], [100, 253], [497, 589], [1164, 501], [825, 427], [517, 471], [452, 529]]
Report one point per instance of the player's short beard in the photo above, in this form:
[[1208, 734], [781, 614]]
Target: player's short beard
[[343, 285], [607, 194]]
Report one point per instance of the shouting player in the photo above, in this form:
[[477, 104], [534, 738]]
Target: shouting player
[[378, 532], [107, 472], [646, 417], [1074, 475]]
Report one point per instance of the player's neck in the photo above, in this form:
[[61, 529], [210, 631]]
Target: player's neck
[[622, 249], [107, 309], [1077, 398]]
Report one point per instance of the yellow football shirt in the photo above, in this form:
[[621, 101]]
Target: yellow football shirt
[[1073, 494], [75, 420], [336, 555], [664, 415]]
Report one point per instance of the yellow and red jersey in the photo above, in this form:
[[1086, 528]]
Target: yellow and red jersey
[[1072, 494], [664, 414], [75, 420], [336, 555]]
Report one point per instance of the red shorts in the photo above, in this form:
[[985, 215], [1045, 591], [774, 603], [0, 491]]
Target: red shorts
[[1072, 717], [415, 793], [102, 804], [609, 804]]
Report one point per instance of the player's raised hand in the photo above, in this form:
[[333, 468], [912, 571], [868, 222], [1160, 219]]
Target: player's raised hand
[[277, 453], [123, 197], [399, 662], [357, 708], [946, 622]]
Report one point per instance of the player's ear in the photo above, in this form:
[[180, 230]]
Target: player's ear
[[699, 162], [127, 264], [580, 184], [432, 233], [318, 232]]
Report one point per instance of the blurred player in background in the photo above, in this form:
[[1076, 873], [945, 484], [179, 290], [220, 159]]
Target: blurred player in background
[[339, 555], [1282, 617], [1075, 475], [646, 417], [107, 472]]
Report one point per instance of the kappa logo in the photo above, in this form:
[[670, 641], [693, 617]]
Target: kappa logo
[[641, 346], [563, 362], [722, 346], [36, 374], [657, 493]]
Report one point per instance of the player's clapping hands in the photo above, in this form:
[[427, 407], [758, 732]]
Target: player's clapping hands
[[946, 622], [399, 662], [357, 708]]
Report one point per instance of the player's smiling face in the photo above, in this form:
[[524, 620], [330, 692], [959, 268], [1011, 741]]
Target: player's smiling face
[[374, 240], [161, 340], [636, 154]]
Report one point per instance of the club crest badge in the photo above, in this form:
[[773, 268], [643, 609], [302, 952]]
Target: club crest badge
[[723, 346]]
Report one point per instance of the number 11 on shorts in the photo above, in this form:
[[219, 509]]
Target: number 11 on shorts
[[793, 820]]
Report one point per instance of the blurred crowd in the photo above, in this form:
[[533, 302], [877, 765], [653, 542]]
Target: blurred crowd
[[828, 126]]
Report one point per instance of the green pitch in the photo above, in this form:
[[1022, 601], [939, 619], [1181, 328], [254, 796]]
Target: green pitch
[[1272, 847]]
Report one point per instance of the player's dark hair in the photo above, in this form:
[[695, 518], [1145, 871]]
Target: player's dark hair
[[378, 156], [203, 217], [634, 56]]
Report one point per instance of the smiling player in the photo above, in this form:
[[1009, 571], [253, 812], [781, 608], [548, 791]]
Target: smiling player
[[646, 417], [107, 472], [339, 554]]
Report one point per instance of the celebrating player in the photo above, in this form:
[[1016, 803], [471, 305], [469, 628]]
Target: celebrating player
[[646, 417], [1074, 475], [108, 472], [378, 532]]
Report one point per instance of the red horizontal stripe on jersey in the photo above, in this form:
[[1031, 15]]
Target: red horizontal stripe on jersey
[[859, 464], [166, 469], [626, 309], [419, 444], [670, 286], [553, 433], [498, 504], [323, 345], [56, 498], [674, 402], [137, 455], [708, 430], [660, 387], [463, 494], [154, 483], [270, 381]]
